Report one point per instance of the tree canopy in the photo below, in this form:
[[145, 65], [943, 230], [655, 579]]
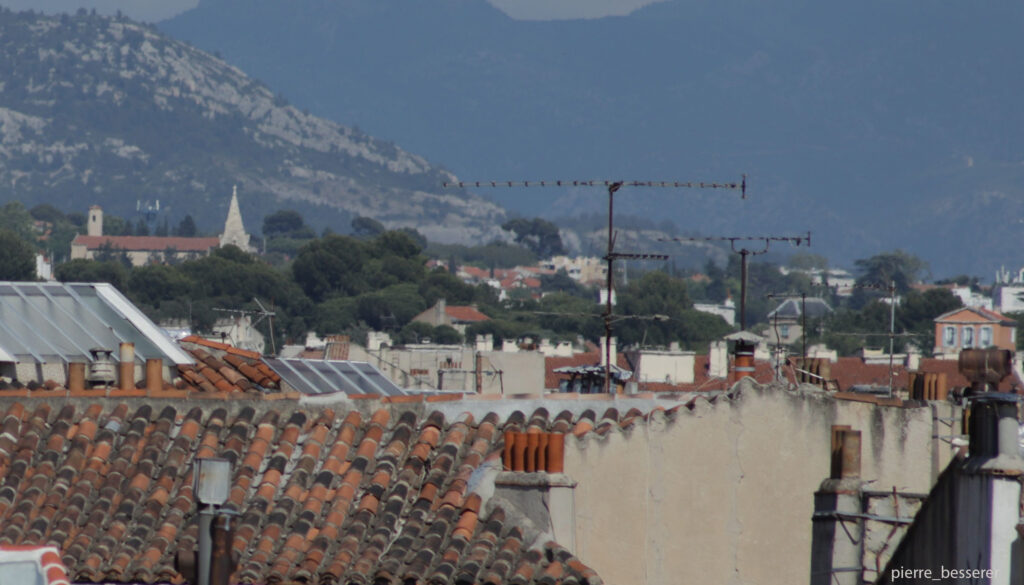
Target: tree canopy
[[17, 258], [897, 266], [539, 235]]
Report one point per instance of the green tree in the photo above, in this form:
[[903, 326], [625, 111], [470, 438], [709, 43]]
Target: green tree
[[331, 265], [439, 284], [48, 213], [15, 218], [539, 235], [80, 270], [561, 282], [17, 257], [156, 283], [115, 226], [897, 266], [286, 224], [186, 227], [366, 227]]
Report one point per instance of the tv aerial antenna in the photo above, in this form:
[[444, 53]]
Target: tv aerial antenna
[[262, 313], [744, 251], [612, 187]]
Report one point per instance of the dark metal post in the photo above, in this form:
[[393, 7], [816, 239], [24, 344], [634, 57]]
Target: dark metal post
[[612, 188], [221, 563], [205, 546], [743, 288]]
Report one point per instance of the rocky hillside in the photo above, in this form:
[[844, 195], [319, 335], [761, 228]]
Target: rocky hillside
[[97, 110], [876, 124]]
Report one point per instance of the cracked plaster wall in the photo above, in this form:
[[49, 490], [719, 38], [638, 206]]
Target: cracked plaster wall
[[724, 493]]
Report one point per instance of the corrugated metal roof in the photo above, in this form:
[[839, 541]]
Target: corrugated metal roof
[[49, 322], [315, 377]]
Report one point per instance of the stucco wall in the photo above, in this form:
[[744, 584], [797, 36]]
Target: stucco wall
[[723, 493]]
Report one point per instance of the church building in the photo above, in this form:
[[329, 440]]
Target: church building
[[142, 250]]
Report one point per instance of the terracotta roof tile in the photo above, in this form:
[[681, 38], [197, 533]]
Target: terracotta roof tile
[[465, 314], [321, 496], [147, 243]]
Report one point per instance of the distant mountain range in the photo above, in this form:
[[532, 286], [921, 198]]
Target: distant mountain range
[[97, 110], [875, 124]]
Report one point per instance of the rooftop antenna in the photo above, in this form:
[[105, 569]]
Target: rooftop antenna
[[765, 243], [262, 313], [803, 316], [891, 288], [612, 255]]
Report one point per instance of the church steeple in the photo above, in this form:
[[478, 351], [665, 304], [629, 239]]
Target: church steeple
[[234, 230]]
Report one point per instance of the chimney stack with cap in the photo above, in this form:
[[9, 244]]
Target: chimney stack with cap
[[838, 527]]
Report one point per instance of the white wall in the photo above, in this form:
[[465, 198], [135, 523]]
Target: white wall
[[724, 493]]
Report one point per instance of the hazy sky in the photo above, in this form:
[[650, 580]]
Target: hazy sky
[[160, 9]]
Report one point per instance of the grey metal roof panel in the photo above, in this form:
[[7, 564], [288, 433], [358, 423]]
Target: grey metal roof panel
[[317, 377], [58, 322]]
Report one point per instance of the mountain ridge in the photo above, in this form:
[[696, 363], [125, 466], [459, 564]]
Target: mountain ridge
[[107, 110], [850, 121]]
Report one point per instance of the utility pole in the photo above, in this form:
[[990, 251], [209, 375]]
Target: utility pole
[[612, 255]]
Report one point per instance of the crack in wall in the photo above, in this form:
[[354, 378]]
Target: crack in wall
[[735, 526]]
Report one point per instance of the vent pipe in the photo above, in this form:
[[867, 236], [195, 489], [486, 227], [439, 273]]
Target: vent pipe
[[127, 366], [76, 376]]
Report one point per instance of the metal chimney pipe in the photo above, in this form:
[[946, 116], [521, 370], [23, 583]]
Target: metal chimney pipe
[[205, 545], [221, 563], [993, 425]]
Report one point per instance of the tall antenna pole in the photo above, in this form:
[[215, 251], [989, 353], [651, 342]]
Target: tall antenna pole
[[610, 258], [744, 252], [612, 187]]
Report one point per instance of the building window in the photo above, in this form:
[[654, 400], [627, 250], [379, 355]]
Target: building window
[[986, 337], [968, 337], [784, 331], [949, 336]]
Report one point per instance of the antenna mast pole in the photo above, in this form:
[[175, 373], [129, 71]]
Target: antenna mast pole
[[612, 187], [744, 252]]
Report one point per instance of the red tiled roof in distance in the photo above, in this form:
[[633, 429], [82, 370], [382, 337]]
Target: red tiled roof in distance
[[147, 243], [465, 314], [852, 371]]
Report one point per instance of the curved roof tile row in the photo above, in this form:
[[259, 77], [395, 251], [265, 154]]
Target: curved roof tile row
[[322, 497]]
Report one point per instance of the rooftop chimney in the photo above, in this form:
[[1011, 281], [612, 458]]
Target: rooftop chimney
[[837, 539], [613, 356]]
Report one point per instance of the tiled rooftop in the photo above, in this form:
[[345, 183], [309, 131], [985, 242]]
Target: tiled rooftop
[[222, 368], [323, 496], [147, 243], [465, 314]]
